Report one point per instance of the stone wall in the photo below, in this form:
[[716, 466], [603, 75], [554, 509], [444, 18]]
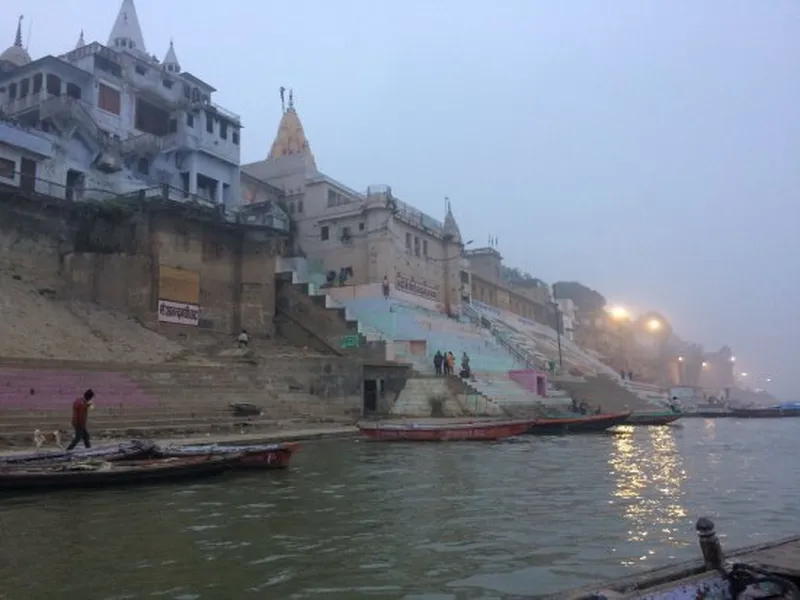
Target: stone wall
[[111, 255]]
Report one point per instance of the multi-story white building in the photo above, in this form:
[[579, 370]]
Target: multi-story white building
[[112, 119]]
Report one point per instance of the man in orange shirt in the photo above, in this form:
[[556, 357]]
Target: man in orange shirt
[[80, 413]]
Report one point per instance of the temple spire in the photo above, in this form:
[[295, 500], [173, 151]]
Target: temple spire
[[127, 33], [291, 138], [18, 38], [81, 41], [170, 61]]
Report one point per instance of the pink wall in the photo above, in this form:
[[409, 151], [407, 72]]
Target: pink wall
[[533, 381], [43, 389]]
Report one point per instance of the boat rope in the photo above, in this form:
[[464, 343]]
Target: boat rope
[[743, 577]]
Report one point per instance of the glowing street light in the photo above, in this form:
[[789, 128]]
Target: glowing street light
[[654, 325], [619, 313], [705, 364], [744, 374], [769, 379], [680, 359], [733, 359]]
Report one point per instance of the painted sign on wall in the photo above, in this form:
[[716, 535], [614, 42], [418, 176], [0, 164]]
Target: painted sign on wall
[[179, 313], [178, 296], [178, 285], [410, 286]]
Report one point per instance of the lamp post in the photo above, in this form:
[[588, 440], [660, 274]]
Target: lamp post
[[558, 330]]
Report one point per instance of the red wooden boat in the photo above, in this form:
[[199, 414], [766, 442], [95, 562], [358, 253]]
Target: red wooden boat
[[577, 424], [444, 432], [257, 456]]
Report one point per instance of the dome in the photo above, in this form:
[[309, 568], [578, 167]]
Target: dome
[[16, 55]]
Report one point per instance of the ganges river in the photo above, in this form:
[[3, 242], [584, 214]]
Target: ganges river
[[357, 519]]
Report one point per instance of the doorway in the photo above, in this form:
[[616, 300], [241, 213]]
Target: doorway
[[74, 185], [27, 175], [370, 396]]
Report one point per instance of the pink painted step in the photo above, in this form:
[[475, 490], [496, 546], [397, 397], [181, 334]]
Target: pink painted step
[[44, 389], [533, 381]]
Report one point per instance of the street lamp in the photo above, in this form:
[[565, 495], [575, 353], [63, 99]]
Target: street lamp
[[744, 374], [733, 359], [654, 325], [619, 313], [705, 364], [680, 359]]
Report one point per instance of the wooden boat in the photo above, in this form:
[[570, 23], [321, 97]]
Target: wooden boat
[[656, 417], [773, 412], [760, 571], [102, 473], [576, 423], [258, 456], [444, 432], [132, 450]]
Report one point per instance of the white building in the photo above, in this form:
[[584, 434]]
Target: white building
[[112, 119]]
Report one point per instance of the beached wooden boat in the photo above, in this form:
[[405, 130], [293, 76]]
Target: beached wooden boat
[[443, 432], [762, 571], [103, 473], [132, 450], [576, 423], [257, 456], [656, 417], [773, 412]]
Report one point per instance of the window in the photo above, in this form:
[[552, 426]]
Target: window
[[223, 130], [425, 248], [24, 88], [416, 245], [143, 166], [299, 206], [347, 235], [167, 83], [73, 91], [235, 137], [209, 122], [53, 85], [187, 90], [37, 83], [12, 91], [361, 227], [173, 125], [108, 99], [324, 233], [408, 242], [141, 70], [150, 118], [7, 168], [190, 119]]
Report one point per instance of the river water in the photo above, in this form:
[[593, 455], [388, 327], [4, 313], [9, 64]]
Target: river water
[[357, 519]]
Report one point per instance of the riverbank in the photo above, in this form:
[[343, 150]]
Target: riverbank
[[300, 434]]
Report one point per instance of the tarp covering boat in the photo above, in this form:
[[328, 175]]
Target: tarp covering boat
[[122, 451], [100, 473], [260, 456]]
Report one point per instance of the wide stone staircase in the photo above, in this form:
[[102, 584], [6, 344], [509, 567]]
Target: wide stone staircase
[[432, 396], [174, 400], [601, 391]]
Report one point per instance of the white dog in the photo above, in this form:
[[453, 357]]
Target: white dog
[[40, 439]]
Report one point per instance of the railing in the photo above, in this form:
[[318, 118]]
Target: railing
[[226, 113], [143, 143]]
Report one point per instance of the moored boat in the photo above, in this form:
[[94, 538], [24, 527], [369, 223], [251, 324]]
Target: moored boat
[[577, 424], [132, 450], [771, 412], [444, 432], [257, 456], [655, 417], [102, 473]]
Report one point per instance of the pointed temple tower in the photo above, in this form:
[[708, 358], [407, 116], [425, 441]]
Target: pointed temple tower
[[15, 55], [127, 33]]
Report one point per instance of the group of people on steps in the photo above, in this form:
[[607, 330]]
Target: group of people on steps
[[444, 363]]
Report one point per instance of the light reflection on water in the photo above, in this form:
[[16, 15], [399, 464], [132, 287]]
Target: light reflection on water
[[649, 478], [425, 521]]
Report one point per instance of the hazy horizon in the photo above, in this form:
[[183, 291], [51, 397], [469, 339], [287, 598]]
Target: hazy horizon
[[647, 150]]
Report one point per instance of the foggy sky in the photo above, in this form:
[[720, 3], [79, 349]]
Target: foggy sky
[[647, 149]]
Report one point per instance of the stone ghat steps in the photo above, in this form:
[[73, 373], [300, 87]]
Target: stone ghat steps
[[600, 391]]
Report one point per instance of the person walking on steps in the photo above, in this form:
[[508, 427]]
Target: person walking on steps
[[80, 413]]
